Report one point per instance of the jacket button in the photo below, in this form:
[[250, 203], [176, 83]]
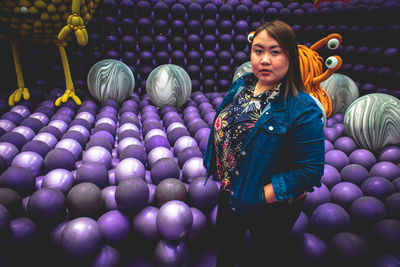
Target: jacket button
[[243, 153], [232, 193], [267, 112], [271, 128], [233, 209], [236, 172]]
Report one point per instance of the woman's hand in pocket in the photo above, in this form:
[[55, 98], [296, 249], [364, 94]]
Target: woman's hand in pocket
[[269, 195]]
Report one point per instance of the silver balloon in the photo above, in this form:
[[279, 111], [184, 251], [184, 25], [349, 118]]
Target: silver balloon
[[168, 85], [342, 90], [373, 121], [322, 109], [110, 79], [242, 70]]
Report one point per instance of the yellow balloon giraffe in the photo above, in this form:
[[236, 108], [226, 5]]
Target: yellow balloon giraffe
[[41, 22]]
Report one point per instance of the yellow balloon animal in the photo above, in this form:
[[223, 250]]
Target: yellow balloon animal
[[41, 22], [311, 67]]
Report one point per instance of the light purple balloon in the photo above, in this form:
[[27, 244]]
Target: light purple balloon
[[60, 179], [127, 126], [330, 177], [158, 153], [107, 121], [167, 253], [21, 110], [38, 182], [152, 190], [78, 164], [127, 141], [319, 196], [193, 168], [174, 220], [345, 144], [86, 116], [47, 138], [6, 125], [30, 160], [60, 125], [390, 153], [175, 125], [41, 117], [183, 142], [108, 194], [81, 129], [147, 177], [98, 154], [27, 132], [363, 157], [111, 177], [145, 223], [385, 169], [337, 159], [8, 151], [128, 168], [199, 224], [154, 132], [108, 256], [328, 146], [106, 135], [345, 193], [115, 227], [71, 145], [314, 248]]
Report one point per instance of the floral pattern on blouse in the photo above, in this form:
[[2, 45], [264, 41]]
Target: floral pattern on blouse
[[233, 124]]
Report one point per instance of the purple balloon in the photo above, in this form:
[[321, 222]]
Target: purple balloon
[[60, 125], [377, 187], [337, 159], [392, 204], [329, 219], [30, 160], [384, 260], [47, 138], [115, 227], [345, 144], [386, 233], [169, 189], [4, 221], [354, 173], [158, 153], [127, 141], [193, 168], [132, 195], [108, 256], [331, 134], [84, 199], [168, 253], [213, 216], [175, 125], [145, 224], [47, 206], [362, 157], [21, 110], [71, 145], [7, 125], [43, 118], [157, 141], [390, 153], [174, 220], [108, 194], [56, 231], [129, 168], [385, 169], [349, 246], [319, 196], [23, 231], [104, 134], [184, 142], [199, 224], [81, 238], [98, 154], [367, 210], [60, 179], [28, 133], [345, 193], [128, 126], [330, 177], [8, 151], [300, 226], [328, 146], [93, 173], [202, 195], [313, 248], [164, 168], [19, 179]]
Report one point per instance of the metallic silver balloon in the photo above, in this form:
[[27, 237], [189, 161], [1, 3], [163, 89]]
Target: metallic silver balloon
[[322, 109], [169, 85], [342, 90], [110, 79], [373, 121], [242, 70]]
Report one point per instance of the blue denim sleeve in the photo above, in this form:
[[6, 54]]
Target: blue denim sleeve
[[308, 138]]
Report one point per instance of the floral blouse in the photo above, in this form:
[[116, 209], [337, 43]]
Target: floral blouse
[[233, 124]]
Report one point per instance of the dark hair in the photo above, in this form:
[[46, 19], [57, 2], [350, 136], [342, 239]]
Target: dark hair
[[287, 40]]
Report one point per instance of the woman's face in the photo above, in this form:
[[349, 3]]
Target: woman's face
[[270, 64]]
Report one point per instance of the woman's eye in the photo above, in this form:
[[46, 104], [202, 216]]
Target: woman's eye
[[333, 44], [275, 52], [331, 62]]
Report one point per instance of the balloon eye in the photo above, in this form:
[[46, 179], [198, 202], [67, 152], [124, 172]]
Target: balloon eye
[[250, 37], [331, 62], [333, 44]]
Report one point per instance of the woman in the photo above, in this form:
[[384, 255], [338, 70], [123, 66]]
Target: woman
[[267, 147]]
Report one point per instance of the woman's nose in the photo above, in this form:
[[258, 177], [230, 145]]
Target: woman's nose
[[265, 59]]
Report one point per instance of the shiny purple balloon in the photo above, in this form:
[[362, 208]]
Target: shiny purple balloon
[[108, 256], [367, 210], [86, 116], [27, 132], [184, 142], [43, 118], [313, 248], [354, 173], [8, 151], [378, 187], [145, 224], [193, 168], [345, 144], [329, 219], [128, 168], [330, 177], [174, 219], [30, 160], [390, 153], [21, 110], [345, 193], [168, 253], [47, 138], [115, 227], [7, 125], [319, 196], [19, 179], [127, 141], [158, 153], [363, 157], [104, 134], [328, 146], [60, 125], [199, 224], [108, 195], [98, 154], [60, 179], [337, 159], [385, 169], [71, 145], [81, 238]]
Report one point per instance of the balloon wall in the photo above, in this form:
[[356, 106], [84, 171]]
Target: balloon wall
[[119, 180]]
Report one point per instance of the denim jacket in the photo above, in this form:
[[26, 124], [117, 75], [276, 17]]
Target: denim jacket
[[285, 147]]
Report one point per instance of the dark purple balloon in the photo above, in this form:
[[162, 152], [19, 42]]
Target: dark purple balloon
[[115, 227], [108, 256], [319, 196], [132, 195], [104, 134], [158, 153], [84, 199], [329, 219], [169, 189], [313, 248], [377, 187], [354, 173], [392, 204], [134, 151], [59, 158], [145, 224], [14, 138], [367, 210], [188, 153], [390, 153], [199, 224], [300, 226], [4, 221], [345, 193], [202, 195], [81, 238], [47, 206], [349, 247], [93, 173], [23, 231], [168, 253], [164, 168], [19, 179]]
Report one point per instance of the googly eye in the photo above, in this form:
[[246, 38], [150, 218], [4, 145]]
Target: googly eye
[[333, 44], [331, 62], [250, 37]]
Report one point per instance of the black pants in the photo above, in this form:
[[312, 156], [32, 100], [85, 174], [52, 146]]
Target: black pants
[[269, 229]]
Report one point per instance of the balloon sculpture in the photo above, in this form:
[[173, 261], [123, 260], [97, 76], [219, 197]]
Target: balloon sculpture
[[40, 23], [311, 67]]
